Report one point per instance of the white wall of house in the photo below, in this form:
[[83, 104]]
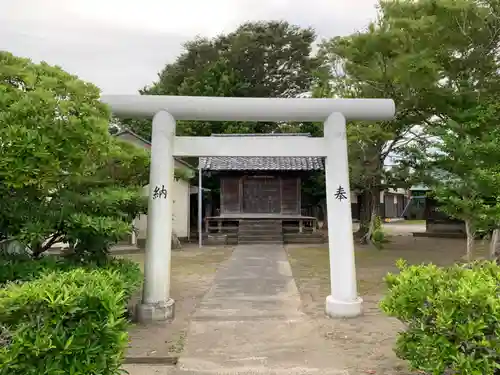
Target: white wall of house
[[354, 197], [180, 195], [398, 191], [181, 208]]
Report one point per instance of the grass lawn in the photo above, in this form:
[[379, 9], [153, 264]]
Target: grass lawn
[[368, 340], [193, 270]]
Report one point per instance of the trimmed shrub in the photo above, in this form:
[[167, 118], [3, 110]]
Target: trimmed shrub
[[21, 267], [130, 272], [452, 317], [65, 323], [378, 234]]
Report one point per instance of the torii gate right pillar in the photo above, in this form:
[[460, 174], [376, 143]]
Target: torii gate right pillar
[[343, 300]]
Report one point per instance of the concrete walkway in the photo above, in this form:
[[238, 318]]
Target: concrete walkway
[[250, 322]]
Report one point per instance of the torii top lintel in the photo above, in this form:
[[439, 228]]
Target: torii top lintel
[[249, 109]]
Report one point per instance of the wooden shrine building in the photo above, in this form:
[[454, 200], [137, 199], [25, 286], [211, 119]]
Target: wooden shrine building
[[260, 198]]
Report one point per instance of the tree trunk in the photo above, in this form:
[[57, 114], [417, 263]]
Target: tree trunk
[[364, 214], [40, 248], [371, 226], [470, 240], [494, 244], [325, 214], [36, 250], [370, 207]]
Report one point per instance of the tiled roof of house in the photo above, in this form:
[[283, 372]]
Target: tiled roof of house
[[261, 163]]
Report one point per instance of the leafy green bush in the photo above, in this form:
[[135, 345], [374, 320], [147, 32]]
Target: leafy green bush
[[378, 236], [64, 178], [452, 317], [65, 323], [130, 272], [21, 267]]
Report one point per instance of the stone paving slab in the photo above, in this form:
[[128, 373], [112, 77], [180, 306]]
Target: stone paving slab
[[270, 372], [236, 344], [149, 370], [250, 322]]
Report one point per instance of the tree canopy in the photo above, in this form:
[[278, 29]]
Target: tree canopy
[[45, 112], [436, 59], [259, 59], [64, 178]]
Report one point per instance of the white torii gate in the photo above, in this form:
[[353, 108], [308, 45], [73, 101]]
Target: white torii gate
[[343, 300]]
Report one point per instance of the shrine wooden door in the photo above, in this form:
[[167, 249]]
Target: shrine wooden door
[[261, 195]]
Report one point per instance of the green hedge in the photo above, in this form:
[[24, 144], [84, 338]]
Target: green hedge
[[66, 322], [452, 317], [21, 267]]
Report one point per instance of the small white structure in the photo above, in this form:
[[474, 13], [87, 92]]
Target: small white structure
[[181, 195], [343, 300]]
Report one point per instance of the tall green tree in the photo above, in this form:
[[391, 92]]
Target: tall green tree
[[465, 162], [435, 58], [62, 176], [53, 128], [368, 64], [460, 41], [259, 59]]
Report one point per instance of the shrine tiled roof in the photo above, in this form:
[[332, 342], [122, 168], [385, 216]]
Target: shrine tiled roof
[[261, 163]]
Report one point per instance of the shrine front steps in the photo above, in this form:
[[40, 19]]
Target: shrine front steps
[[260, 232]]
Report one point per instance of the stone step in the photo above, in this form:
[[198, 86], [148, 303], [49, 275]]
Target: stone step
[[265, 228], [260, 225], [260, 234], [259, 221], [246, 237], [260, 370], [270, 224], [257, 232], [260, 238], [255, 242]]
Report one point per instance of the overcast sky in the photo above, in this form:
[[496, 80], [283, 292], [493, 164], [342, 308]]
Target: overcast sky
[[121, 45]]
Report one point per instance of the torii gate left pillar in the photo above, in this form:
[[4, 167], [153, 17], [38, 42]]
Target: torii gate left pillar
[[343, 300]]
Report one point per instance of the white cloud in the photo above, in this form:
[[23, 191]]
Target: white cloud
[[121, 45]]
